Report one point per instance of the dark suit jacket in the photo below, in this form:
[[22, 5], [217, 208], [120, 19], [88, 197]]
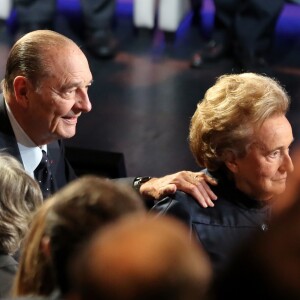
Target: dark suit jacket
[[8, 269], [61, 170]]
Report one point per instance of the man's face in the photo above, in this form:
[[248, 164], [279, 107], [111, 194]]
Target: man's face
[[61, 97], [263, 171]]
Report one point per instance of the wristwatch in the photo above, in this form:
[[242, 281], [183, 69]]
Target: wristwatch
[[138, 181]]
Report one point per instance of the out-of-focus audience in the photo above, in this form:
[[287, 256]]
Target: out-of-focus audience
[[141, 258], [241, 135], [4, 13], [97, 22], [62, 224], [20, 196], [243, 30]]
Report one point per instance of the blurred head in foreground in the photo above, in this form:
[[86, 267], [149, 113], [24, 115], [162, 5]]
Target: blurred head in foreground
[[141, 258]]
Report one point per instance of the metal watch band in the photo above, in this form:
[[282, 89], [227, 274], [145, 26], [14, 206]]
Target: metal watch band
[[138, 181]]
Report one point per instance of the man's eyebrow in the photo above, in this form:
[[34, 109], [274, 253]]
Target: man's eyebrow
[[75, 84]]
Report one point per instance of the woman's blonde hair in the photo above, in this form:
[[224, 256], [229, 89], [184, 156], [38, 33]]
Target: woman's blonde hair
[[229, 113], [19, 198]]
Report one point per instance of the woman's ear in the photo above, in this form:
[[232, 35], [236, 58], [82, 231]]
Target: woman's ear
[[231, 161], [21, 89]]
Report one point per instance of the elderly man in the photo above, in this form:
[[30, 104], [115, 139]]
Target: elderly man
[[240, 133], [44, 93]]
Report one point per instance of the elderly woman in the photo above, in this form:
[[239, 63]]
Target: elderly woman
[[241, 135]]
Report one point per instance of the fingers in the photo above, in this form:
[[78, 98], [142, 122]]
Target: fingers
[[193, 183], [202, 177], [199, 189], [199, 193], [208, 190], [202, 196]]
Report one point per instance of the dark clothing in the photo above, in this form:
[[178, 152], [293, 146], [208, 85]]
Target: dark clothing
[[61, 170], [97, 14], [8, 269], [247, 26], [35, 11], [220, 229]]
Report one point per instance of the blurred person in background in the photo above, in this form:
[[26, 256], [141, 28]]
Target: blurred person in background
[[244, 30], [20, 197], [97, 18]]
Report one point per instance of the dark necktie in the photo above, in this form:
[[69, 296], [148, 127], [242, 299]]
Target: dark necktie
[[43, 175]]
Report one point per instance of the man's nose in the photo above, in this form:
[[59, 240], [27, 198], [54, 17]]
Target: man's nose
[[83, 102]]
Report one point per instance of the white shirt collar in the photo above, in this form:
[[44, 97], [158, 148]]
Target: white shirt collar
[[31, 154]]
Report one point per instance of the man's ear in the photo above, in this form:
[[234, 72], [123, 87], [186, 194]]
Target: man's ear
[[231, 161], [21, 89]]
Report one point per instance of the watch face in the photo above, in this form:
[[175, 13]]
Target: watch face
[[144, 179], [138, 181]]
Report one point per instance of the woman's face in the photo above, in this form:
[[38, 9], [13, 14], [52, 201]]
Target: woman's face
[[262, 172]]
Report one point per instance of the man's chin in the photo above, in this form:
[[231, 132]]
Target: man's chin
[[67, 134]]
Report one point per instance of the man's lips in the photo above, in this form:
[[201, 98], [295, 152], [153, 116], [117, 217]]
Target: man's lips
[[71, 115], [70, 119]]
